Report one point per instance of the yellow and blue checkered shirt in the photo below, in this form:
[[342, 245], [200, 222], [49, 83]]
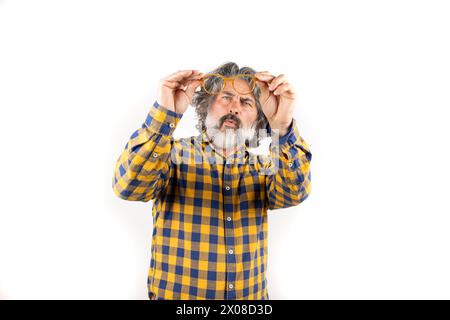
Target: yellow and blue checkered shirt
[[210, 212]]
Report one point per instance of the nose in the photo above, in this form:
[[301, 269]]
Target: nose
[[234, 107]]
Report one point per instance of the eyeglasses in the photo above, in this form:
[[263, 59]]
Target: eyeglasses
[[214, 83]]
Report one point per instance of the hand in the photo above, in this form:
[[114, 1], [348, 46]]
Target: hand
[[277, 100], [175, 91]]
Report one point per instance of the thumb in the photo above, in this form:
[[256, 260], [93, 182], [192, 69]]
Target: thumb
[[191, 88]]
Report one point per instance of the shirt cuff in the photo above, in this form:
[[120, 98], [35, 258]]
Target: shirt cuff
[[295, 139], [290, 139], [162, 120], [283, 139]]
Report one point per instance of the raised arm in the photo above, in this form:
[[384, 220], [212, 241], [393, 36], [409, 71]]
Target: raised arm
[[143, 169], [291, 183]]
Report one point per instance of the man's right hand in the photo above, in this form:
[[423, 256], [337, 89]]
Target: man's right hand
[[175, 91]]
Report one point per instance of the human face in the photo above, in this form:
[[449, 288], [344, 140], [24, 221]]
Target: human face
[[232, 116]]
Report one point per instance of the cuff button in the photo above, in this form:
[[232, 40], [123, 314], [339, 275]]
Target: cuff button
[[171, 124]]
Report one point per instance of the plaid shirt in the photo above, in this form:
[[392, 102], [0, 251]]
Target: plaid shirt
[[209, 212]]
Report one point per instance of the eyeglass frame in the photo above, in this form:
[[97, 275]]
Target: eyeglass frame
[[225, 79]]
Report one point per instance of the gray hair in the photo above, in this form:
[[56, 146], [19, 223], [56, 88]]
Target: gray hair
[[202, 100]]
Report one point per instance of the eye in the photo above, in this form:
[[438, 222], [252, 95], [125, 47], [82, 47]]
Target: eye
[[226, 97]]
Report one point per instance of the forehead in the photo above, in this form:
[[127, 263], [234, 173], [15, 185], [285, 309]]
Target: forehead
[[240, 85]]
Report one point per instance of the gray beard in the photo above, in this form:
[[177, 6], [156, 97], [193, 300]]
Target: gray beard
[[228, 139]]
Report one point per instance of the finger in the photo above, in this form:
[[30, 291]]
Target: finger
[[192, 78], [171, 84], [179, 75], [264, 76], [264, 87], [190, 89], [176, 76], [277, 81], [262, 83], [273, 87], [195, 77], [285, 88], [192, 85]]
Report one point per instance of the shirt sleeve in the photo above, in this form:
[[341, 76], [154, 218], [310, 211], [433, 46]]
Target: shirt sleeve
[[289, 184], [143, 169]]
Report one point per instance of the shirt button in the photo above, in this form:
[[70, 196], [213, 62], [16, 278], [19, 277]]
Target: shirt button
[[229, 218], [230, 251], [171, 124], [290, 164], [227, 187], [155, 155], [230, 286]]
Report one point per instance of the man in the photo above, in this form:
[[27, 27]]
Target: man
[[211, 194]]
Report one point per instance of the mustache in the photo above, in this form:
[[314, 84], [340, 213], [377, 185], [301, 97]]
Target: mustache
[[231, 117]]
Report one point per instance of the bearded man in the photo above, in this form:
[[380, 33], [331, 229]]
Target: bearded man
[[211, 193]]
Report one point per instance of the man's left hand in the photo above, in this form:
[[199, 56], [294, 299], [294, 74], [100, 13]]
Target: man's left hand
[[277, 100]]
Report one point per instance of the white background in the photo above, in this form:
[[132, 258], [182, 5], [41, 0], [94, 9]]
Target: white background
[[373, 79]]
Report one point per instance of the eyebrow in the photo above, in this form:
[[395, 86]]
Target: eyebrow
[[243, 98]]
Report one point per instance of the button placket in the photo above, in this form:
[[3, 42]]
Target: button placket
[[229, 230]]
